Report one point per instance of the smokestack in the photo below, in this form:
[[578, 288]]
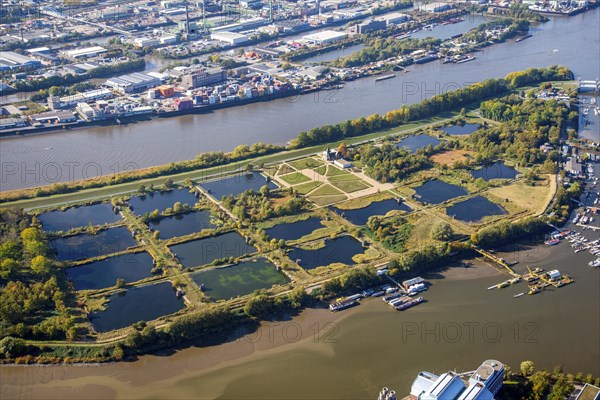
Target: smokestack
[[187, 20]]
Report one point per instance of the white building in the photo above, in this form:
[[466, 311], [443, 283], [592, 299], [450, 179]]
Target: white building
[[146, 42], [133, 82], [485, 382], [395, 18], [325, 37], [436, 7], [85, 52], [231, 38]]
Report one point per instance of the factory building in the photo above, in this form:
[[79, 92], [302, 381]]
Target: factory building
[[205, 77], [133, 82]]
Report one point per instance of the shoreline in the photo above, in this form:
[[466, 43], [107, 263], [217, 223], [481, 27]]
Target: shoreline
[[147, 374]]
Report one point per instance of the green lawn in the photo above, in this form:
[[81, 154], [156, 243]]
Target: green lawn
[[285, 169], [326, 200], [321, 170], [307, 187], [326, 190], [206, 173], [306, 163], [335, 171], [351, 186], [347, 177], [294, 178]]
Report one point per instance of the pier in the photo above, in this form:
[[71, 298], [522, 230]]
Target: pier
[[498, 260], [589, 86]]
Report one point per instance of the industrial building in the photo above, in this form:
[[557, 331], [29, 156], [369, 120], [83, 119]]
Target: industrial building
[[325, 37], [395, 18], [231, 38], [53, 117], [242, 25], [10, 60], [368, 26], [133, 82], [146, 42], [203, 77], [436, 7], [485, 382], [55, 103], [11, 123], [85, 52]]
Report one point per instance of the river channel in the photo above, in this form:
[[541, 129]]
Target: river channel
[[62, 156]]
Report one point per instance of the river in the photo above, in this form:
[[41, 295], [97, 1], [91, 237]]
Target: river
[[66, 155]]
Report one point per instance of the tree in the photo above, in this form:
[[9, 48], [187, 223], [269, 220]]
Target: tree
[[40, 265], [265, 191], [11, 347], [134, 340], [561, 389], [441, 231], [177, 207], [31, 235], [142, 189], [120, 283], [343, 149], [540, 384], [297, 297], [8, 267], [527, 368], [259, 306], [169, 183]]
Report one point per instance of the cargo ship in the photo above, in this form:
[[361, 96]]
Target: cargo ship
[[523, 38], [342, 305], [465, 59], [383, 78], [409, 304]]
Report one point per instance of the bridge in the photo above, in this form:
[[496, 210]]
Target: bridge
[[56, 14], [498, 260], [589, 86]]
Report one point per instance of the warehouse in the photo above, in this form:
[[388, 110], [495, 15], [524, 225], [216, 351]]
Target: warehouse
[[133, 82], [229, 37], [85, 52], [395, 18], [10, 60], [325, 37]]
